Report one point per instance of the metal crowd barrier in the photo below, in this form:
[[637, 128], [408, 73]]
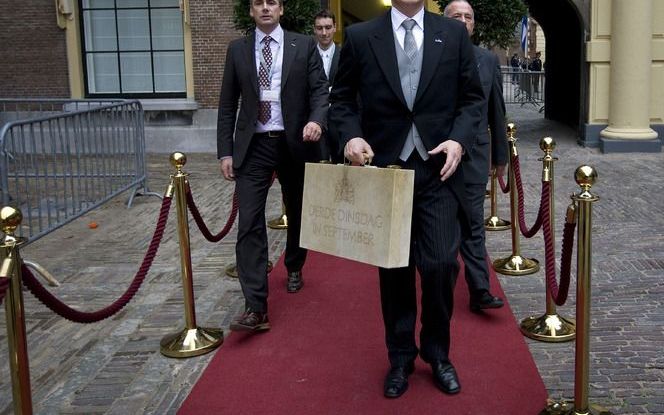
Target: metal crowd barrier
[[62, 158], [523, 87]]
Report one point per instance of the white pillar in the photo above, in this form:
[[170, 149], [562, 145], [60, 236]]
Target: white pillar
[[631, 61]]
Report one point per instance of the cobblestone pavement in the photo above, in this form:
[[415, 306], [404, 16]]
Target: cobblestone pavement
[[114, 367]]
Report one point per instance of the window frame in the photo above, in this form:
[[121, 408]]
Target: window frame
[[117, 53]]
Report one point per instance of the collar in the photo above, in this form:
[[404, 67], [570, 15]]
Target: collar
[[277, 35], [329, 50], [398, 18]]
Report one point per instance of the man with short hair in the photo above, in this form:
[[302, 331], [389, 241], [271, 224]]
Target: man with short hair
[[490, 147], [325, 26], [276, 79], [416, 78], [536, 66], [515, 64]]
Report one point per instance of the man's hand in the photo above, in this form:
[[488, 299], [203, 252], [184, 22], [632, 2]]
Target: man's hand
[[227, 168], [454, 151], [358, 151], [500, 170], [311, 132]]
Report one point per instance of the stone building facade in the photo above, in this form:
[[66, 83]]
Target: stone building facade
[[605, 62]]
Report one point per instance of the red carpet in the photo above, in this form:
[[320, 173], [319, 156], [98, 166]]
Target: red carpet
[[325, 354]]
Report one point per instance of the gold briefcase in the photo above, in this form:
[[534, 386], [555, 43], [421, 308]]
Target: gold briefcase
[[359, 213]]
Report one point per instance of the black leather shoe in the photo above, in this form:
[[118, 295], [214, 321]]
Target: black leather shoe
[[295, 282], [396, 381], [445, 377], [484, 301], [251, 321]]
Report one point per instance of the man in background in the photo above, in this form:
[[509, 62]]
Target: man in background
[[515, 64], [489, 148], [325, 26], [276, 79], [536, 66]]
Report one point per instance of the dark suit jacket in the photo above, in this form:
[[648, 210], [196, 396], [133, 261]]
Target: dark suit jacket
[[330, 140], [476, 169], [334, 65], [448, 100], [302, 76]]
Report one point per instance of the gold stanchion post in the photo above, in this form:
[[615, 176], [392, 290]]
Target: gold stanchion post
[[231, 270], [10, 219], [549, 327], [514, 264], [281, 222], [494, 222], [192, 340], [585, 177]]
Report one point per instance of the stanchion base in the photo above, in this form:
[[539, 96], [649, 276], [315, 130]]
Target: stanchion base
[[550, 328], [231, 270], [191, 342], [567, 408], [494, 223], [278, 223], [516, 265]]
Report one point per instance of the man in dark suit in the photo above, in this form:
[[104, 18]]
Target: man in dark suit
[[536, 66], [278, 78], [417, 80], [476, 169], [325, 26]]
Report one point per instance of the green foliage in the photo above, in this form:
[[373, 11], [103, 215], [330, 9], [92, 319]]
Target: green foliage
[[495, 20], [298, 15]]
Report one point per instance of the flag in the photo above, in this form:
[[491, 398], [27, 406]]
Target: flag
[[524, 35]]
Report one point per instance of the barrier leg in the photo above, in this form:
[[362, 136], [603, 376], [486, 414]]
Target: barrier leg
[[493, 222], [514, 264], [231, 270], [192, 340], [10, 219], [585, 176], [549, 327], [280, 222]]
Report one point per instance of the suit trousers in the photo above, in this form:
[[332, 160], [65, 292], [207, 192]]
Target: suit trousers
[[253, 179], [473, 249], [435, 238]]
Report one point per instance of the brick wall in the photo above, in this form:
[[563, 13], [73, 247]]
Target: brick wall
[[33, 51], [212, 30]]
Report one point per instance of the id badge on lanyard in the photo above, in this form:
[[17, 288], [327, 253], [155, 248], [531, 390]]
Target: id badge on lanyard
[[272, 95]]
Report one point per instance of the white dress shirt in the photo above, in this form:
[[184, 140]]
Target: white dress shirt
[[276, 122], [327, 56], [400, 32]]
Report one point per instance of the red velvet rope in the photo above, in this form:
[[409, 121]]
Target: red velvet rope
[[201, 223], [558, 292], [544, 201], [4, 285], [505, 187], [77, 316]]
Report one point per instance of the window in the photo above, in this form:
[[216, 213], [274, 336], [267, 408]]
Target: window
[[133, 48]]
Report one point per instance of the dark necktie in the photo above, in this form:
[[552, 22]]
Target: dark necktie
[[409, 45], [264, 107]]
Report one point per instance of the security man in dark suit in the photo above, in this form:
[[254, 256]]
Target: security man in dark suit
[[476, 169], [325, 26], [416, 76], [276, 79]]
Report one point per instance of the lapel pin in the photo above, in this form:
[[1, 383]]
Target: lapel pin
[[292, 44], [438, 40]]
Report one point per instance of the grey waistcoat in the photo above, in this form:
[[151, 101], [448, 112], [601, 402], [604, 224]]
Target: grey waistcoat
[[409, 72]]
